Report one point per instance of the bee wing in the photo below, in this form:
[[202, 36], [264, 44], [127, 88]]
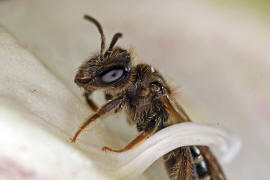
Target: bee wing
[[175, 109], [214, 167], [178, 164], [183, 163]]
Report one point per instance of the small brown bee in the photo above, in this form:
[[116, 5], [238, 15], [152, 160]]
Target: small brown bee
[[147, 98]]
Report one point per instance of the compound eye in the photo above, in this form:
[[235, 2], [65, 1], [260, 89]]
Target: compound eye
[[112, 75]]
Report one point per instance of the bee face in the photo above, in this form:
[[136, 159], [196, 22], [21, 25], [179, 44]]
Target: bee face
[[110, 70]]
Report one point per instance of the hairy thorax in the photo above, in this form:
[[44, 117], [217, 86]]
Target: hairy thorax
[[145, 109]]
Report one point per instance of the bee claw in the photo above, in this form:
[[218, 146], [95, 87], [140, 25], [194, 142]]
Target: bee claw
[[71, 140], [105, 148]]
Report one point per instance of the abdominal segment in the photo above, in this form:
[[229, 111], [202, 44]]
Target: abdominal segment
[[187, 163]]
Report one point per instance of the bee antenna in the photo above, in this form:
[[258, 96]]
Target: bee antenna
[[116, 36], [100, 30]]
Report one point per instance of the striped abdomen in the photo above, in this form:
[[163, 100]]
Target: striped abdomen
[[193, 163]]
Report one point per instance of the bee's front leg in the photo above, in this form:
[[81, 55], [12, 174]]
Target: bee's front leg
[[138, 140]]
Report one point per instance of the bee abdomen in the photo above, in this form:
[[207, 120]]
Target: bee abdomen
[[187, 163], [199, 164]]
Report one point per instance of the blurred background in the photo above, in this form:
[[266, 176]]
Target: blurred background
[[216, 53]]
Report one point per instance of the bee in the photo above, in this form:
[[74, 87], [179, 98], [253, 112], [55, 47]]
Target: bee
[[148, 100]]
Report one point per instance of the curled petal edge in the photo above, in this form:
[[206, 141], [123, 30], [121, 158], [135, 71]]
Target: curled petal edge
[[132, 163]]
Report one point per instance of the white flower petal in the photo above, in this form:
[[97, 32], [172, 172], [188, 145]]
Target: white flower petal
[[132, 163], [38, 115], [28, 151]]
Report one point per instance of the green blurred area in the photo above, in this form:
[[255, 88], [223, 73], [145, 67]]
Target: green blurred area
[[262, 6]]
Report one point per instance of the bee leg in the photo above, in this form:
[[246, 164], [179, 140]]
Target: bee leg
[[110, 105], [89, 101], [142, 136], [139, 139], [178, 113]]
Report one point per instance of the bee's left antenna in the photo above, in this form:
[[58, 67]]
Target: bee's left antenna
[[93, 20]]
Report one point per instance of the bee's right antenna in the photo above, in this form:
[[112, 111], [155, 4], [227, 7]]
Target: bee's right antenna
[[93, 20], [116, 36]]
